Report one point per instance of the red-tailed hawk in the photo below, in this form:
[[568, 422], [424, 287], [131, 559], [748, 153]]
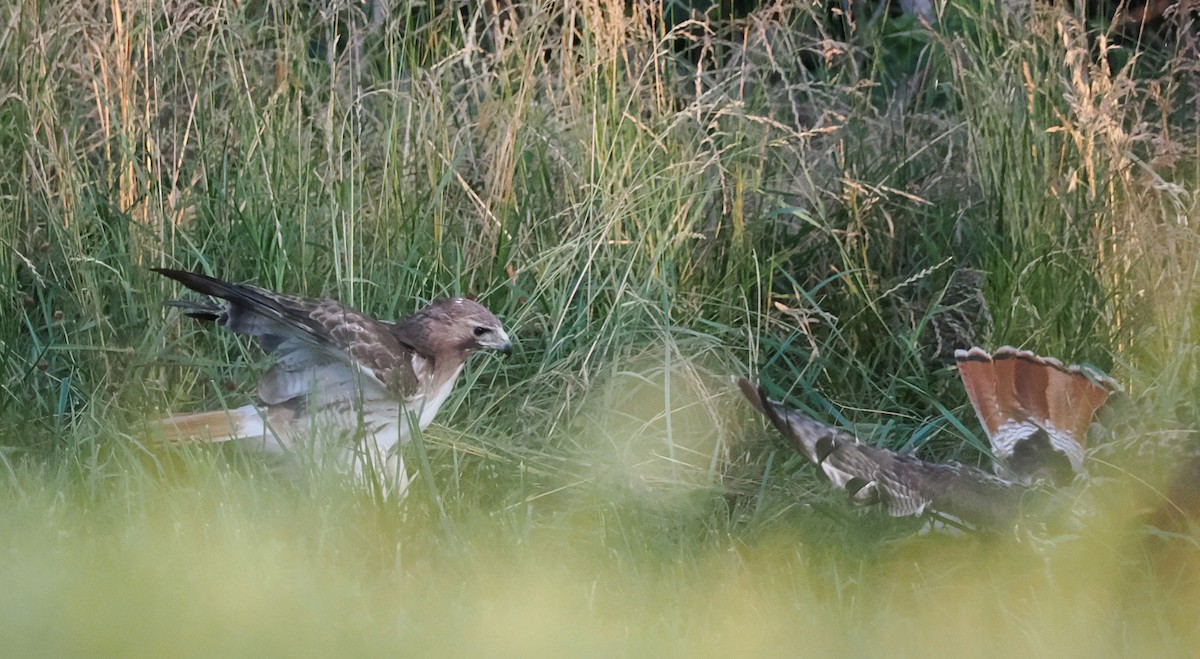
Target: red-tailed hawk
[[340, 379], [1035, 410], [1036, 413]]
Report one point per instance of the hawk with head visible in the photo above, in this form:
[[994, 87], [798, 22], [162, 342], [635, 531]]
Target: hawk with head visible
[[339, 376]]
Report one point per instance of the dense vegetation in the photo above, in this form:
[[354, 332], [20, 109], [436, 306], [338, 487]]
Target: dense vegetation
[[827, 198]]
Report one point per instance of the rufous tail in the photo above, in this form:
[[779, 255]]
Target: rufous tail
[[209, 427], [1017, 394]]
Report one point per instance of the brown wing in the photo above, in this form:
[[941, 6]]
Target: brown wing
[[315, 340], [902, 484]]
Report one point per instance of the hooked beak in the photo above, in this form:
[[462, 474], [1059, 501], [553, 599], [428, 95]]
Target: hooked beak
[[503, 346]]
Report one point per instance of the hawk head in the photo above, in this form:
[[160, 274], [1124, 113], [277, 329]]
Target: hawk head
[[459, 325]]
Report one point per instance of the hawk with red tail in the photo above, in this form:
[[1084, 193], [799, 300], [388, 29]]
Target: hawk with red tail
[[340, 377], [1035, 411]]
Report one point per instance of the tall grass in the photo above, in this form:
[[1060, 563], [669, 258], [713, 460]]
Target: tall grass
[[651, 205]]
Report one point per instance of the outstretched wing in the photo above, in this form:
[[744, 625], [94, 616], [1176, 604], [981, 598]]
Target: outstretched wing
[[902, 484], [318, 342]]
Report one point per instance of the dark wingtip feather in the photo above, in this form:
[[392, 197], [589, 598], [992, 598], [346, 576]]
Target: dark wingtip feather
[[172, 273], [200, 283], [197, 310], [197, 281], [758, 398], [753, 393], [774, 412]]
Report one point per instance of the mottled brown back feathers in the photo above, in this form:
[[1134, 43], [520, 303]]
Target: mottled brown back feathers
[[901, 484]]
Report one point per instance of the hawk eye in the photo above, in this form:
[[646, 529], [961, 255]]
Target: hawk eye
[[480, 331]]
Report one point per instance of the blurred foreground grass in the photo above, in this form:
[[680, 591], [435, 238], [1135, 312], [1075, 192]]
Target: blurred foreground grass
[[216, 561]]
